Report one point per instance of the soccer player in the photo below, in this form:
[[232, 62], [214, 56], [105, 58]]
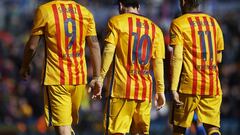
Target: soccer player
[[66, 27], [132, 44], [197, 42]]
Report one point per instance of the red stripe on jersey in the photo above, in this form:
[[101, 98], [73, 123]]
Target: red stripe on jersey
[[210, 69], [194, 55], [203, 80], [58, 36], [128, 87], [69, 63], [81, 47], [215, 49], [146, 25], [74, 47], [136, 68]]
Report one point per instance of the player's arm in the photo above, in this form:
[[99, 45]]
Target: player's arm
[[220, 43], [110, 46], [96, 83], [158, 70], [29, 52], [176, 60], [94, 47], [32, 44], [158, 74], [176, 66], [159, 79], [107, 58]]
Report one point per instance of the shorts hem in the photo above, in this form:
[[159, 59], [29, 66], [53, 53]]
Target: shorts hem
[[213, 124]]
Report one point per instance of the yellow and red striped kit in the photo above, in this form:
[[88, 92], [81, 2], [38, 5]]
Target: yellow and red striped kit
[[137, 40], [65, 25], [201, 38]]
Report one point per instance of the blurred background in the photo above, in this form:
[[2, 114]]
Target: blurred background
[[21, 111]]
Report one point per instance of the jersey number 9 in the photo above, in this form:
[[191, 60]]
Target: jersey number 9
[[70, 33]]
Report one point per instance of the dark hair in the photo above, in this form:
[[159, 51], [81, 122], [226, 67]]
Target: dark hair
[[129, 3], [191, 4]]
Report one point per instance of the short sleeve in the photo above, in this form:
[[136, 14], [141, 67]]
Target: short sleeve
[[158, 45], [175, 35], [112, 34], [91, 30], [220, 40], [39, 23]]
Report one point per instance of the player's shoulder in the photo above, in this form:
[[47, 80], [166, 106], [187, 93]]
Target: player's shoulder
[[180, 19], [83, 9], [117, 18]]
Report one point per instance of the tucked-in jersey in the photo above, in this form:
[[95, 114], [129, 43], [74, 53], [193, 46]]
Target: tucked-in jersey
[[64, 24], [137, 40], [201, 38]]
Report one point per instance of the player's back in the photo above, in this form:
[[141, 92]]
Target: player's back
[[201, 38], [65, 25], [136, 39]]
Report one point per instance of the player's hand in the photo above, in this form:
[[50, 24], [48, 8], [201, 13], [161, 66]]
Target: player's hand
[[159, 100], [24, 73], [97, 90], [96, 86], [176, 100]]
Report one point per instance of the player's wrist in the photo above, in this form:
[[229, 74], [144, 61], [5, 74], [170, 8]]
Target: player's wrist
[[98, 79], [174, 92], [159, 92]]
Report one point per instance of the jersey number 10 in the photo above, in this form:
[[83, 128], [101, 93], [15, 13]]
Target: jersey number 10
[[138, 51]]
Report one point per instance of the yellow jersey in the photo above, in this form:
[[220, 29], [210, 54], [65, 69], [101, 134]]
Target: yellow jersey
[[64, 25], [137, 40], [201, 38]]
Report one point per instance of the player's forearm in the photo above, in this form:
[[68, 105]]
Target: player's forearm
[[94, 47], [30, 50], [107, 57], [158, 74], [176, 66]]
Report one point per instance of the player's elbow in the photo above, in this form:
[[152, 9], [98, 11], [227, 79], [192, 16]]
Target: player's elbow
[[33, 43]]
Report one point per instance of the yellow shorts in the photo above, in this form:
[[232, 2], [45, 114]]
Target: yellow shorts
[[207, 109], [122, 115], [62, 103]]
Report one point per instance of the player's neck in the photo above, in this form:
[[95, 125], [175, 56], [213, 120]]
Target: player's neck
[[195, 10], [131, 10]]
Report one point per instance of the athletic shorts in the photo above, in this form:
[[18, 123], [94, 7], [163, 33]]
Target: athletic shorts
[[124, 115], [62, 103], [207, 109]]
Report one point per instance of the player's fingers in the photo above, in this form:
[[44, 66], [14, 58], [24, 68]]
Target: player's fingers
[[156, 103], [178, 103], [159, 104], [159, 107], [89, 89], [98, 97]]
